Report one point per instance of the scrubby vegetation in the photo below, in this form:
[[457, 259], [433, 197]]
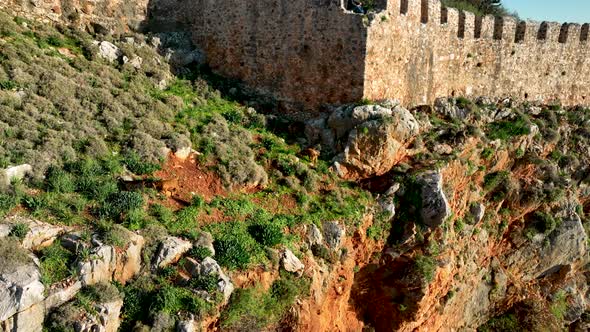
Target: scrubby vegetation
[[255, 308], [87, 126]]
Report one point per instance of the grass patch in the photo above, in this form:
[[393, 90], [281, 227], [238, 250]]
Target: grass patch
[[253, 308], [507, 129], [55, 264]]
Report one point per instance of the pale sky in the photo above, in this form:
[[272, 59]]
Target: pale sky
[[570, 11]]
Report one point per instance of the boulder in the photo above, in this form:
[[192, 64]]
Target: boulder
[[170, 251], [545, 255], [136, 62], [108, 315], [578, 293], [477, 210], [20, 288], [15, 173], [314, 235], [108, 51], [62, 293], [183, 153], [186, 325], [104, 319], [205, 240], [375, 146], [435, 207], [334, 234], [39, 235], [448, 107], [210, 267], [567, 244], [100, 268], [387, 201], [290, 262], [192, 266], [129, 260], [29, 320]]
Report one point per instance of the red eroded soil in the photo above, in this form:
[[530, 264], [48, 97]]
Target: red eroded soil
[[187, 178]]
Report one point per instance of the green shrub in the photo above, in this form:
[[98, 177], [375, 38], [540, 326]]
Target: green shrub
[[198, 201], [199, 253], [8, 85], [544, 223], [207, 283], [59, 181], [559, 305], [7, 203], [171, 300], [426, 267], [321, 251], [506, 129], [266, 233], [19, 231], [504, 323], [235, 207], [161, 213], [232, 253], [255, 309], [493, 180], [186, 220], [113, 234], [120, 203], [55, 264], [137, 166]]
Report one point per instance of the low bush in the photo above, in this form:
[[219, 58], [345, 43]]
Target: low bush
[[12, 255], [255, 309], [199, 253], [19, 231], [506, 129], [232, 253], [266, 233], [55, 264], [425, 267]]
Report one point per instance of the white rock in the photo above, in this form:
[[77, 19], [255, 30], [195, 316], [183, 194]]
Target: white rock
[[40, 234], [210, 267], [171, 249], [136, 62], [109, 51], [128, 262], [16, 173], [435, 207], [290, 262], [183, 153], [20, 289], [100, 268], [334, 234], [205, 240], [314, 235]]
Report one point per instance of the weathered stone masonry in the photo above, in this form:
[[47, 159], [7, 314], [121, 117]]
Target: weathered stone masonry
[[307, 53]]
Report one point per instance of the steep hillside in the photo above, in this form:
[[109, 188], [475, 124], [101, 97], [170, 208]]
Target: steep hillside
[[136, 196]]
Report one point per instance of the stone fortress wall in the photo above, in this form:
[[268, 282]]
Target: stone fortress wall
[[417, 51], [306, 53]]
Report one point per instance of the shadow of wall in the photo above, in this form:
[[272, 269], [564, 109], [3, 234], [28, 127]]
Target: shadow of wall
[[303, 53]]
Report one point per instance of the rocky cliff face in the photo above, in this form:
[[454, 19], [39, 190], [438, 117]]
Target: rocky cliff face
[[490, 226]]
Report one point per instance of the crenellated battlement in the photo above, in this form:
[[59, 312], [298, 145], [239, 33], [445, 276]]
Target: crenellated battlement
[[468, 25], [307, 53]]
